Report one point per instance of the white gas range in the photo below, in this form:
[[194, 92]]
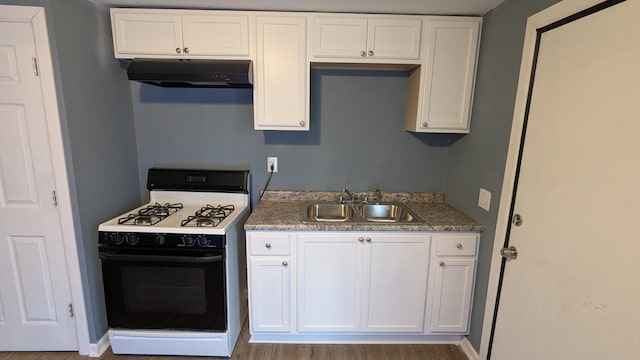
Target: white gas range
[[174, 269]]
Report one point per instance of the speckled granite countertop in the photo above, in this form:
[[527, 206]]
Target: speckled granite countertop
[[282, 210]]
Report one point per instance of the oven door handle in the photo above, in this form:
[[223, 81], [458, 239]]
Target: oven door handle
[[161, 258]]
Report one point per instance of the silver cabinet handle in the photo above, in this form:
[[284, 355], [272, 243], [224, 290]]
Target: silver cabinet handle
[[178, 50], [459, 246], [361, 239], [370, 52], [285, 263], [186, 50], [302, 122], [268, 245], [442, 264], [368, 240], [363, 53], [424, 125]]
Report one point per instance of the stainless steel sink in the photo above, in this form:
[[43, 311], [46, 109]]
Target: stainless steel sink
[[385, 213], [329, 212], [354, 213]]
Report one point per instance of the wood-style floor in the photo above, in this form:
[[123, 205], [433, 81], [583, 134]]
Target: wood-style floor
[[244, 350]]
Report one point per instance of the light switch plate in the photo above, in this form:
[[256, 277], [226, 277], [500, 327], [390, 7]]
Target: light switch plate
[[484, 199]]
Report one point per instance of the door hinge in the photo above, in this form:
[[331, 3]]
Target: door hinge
[[71, 310], [36, 71], [55, 198]]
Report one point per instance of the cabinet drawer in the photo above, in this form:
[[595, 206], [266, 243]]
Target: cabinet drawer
[[457, 245], [269, 244]]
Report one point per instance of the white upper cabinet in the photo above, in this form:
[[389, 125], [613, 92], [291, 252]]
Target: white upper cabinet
[[441, 90], [281, 90], [184, 33], [216, 35], [366, 38]]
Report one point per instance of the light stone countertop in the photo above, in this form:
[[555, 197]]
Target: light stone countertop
[[282, 210]]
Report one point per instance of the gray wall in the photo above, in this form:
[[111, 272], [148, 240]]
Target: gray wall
[[101, 140], [98, 132], [478, 159], [356, 138]]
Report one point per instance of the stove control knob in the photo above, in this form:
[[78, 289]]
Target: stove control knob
[[117, 238], [160, 239], [131, 239], [204, 241], [188, 241]]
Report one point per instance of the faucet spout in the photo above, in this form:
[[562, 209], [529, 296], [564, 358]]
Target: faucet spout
[[351, 196]]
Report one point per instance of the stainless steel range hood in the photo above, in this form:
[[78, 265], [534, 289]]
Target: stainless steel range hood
[[192, 73]]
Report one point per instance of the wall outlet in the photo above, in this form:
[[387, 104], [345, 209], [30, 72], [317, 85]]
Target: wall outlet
[[484, 199], [272, 161]]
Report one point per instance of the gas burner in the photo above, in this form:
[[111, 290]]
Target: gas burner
[[150, 214], [208, 216]]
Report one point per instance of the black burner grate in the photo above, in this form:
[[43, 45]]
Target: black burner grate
[[150, 214], [208, 216]]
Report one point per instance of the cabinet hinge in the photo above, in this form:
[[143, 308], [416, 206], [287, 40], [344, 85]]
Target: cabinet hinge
[[71, 310], [36, 71], [55, 198]]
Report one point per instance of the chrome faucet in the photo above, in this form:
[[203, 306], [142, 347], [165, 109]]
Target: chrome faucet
[[351, 198], [377, 195]]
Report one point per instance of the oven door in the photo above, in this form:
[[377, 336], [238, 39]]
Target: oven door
[[172, 289]]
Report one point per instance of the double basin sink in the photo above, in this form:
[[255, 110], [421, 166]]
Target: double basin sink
[[337, 212]]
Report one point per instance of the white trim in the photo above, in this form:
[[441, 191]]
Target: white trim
[[468, 349], [550, 15], [96, 350], [36, 16]]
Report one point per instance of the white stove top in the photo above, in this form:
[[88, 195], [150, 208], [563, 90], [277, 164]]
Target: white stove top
[[192, 202]]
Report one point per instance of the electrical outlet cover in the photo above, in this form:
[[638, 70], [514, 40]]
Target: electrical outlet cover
[[484, 199]]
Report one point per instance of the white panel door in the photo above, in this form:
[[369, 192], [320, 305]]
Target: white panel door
[[574, 290], [394, 38], [395, 282], [146, 34], [329, 284], [34, 284], [340, 37], [216, 35], [449, 74], [281, 97], [452, 293], [270, 293]]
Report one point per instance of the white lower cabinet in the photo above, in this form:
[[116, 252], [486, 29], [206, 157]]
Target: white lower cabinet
[[454, 273], [351, 282], [269, 282], [334, 286]]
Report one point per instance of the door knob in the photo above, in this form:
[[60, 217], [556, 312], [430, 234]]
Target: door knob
[[510, 253], [517, 220]]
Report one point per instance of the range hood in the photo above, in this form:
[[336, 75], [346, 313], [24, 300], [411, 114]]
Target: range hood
[[192, 73]]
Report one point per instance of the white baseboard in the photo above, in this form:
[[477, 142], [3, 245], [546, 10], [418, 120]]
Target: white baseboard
[[96, 350], [468, 349]]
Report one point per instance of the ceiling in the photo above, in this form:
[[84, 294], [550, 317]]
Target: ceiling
[[427, 7]]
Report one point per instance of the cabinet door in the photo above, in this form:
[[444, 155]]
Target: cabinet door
[[394, 38], [340, 37], [395, 282], [269, 284], [281, 98], [329, 282], [452, 294], [449, 75], [146, 34], [225, 35]]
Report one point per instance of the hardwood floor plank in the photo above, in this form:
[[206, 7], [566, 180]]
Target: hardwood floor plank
[[246, 351]]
